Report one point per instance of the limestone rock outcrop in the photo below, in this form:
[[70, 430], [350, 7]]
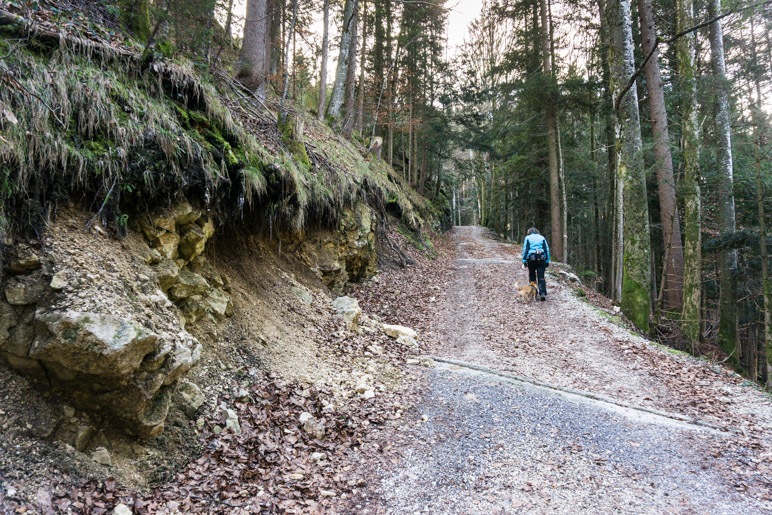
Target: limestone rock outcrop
[[346, 253], [103, 324]]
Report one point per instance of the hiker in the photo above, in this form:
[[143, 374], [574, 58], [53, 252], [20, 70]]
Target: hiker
[[536, 257]]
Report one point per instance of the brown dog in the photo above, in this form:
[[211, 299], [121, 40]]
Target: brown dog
[[528, 292]]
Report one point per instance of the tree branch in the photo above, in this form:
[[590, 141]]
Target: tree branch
[[672, 40]]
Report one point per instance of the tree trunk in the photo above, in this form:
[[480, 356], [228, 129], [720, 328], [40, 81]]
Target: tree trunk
[[634, 211], [334, 110], [727, 332], [325, 55], [360, 111], [285, 86], [136, 15], [666, 190], [692, 286], [765, 349], [276, 8], [552, 130], [349, 107], [255, 55]]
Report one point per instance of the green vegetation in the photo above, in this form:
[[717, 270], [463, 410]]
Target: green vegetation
[[131, 133]]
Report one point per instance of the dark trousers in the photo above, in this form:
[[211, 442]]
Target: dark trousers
[[536, 269]]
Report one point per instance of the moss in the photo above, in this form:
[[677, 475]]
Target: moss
[[635, 302]]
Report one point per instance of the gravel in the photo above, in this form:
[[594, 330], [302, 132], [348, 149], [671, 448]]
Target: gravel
[[561, 408]]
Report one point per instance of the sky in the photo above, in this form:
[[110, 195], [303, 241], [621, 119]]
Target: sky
[[462, 12]]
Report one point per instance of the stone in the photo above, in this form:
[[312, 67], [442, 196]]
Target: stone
[[83, 437], [23, 259], [189, 398], [395, 331], [121, 509], [187, 285], [152, 230], [368, 394], [408, 341], [92, 343], [183, 213], [207, 227], [232, 421], [303, 295], [305, 417], [24, 290], [192, 242], [219, 304], [59, 280], [314, 428], [202, 267], [102, 456], [348, 308], [183, 356], [318, 456], [193, 309], [167, 244], [31, 367], [8, 320], [568, 277], [68, 411]]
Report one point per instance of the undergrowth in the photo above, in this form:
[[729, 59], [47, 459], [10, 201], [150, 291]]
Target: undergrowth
[[128, 132]]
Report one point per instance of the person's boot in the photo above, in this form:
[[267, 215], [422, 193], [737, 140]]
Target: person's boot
[[542, 290]]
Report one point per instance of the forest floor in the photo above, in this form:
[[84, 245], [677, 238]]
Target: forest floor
[[505, 407], [555, 406]]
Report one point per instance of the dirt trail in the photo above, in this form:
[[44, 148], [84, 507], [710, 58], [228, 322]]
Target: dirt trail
[[556, 407]]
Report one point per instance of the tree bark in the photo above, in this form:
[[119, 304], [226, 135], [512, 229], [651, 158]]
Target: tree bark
[[692, 286], [360, 111], [349, 108], [765, 349], [334, 110], [727, 331], [285, 74], [325, 55], [552, 145], [666, 190], [254, 60], [634, 211]]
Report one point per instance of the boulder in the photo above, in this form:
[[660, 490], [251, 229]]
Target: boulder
[[348, 308], [92, 343], [167, 243], [166, 272], [202, 267], [24, 290], [207, 226], [23, 259], [19, 330], [188, 284], [8, 320], [219, 304], [192, 242], [183, 213]]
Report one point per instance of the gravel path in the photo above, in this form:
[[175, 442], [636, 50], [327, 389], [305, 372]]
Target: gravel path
[[562, 410]]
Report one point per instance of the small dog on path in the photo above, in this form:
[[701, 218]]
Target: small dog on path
[[528, 292]]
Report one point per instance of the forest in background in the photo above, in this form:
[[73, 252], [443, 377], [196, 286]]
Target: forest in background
[[632, 133]]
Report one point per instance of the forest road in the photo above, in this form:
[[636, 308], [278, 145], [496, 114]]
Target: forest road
[[555, 407]]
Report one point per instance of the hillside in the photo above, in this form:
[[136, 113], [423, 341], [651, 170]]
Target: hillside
[[170, 262]]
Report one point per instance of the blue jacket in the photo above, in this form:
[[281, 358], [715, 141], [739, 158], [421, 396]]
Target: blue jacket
[[533, 242]]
